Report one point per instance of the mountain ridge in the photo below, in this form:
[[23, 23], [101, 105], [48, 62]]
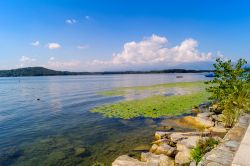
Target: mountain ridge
[[42, 71]]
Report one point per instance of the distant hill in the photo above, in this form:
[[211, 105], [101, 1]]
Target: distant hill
[[35, 71], [41, 71]]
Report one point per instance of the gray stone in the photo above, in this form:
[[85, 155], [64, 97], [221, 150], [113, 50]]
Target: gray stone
[[183, 157], [175, 137], [233, 145], [205, 114], [218, 129], [221, 157], [192, 163], [158, 160], [190, 142], [161, 134], [214, 164], [215, 117], [163, 149]]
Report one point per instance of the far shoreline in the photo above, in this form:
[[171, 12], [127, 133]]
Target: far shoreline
[[41, 71]]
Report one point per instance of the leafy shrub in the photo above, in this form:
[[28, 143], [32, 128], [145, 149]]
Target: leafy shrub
[[230, 89], [203, 146]]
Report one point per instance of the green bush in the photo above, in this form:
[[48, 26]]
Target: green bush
[[203, 146], [230, 89]]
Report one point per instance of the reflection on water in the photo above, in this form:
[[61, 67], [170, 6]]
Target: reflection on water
[[60, 130], [140, 94]]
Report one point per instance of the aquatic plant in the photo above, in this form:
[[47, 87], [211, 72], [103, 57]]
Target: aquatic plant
[[203, 146], [154, 106], [125, 90]]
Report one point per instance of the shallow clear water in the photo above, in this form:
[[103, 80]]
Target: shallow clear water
[[50, 131]]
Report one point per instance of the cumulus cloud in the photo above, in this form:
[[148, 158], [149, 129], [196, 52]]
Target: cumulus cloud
[[35, 43], [70, 21], [54, 45], [154, 50], [54, 64], [26, 61]]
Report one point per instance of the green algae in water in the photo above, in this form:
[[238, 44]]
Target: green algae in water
[[155, 106], [125, 90]]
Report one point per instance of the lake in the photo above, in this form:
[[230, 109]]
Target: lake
[[59, 129]]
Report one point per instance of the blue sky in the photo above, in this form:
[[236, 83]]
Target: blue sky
[[96, 35]]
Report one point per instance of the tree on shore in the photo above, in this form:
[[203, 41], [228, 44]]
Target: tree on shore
[[230, 89]]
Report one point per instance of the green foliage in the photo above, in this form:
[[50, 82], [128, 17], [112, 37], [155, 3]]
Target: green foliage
[[98, 164], [154, 106], [203, 146], [230, 89]]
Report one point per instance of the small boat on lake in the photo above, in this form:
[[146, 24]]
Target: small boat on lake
[[210, 75], [179, 76]]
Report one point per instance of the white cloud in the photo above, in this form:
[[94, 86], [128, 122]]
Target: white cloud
[[87, 17], [54, 45], [35, 43], [70, 21], [63, 64], [52, 58], [154, 50], [82, 47], [26, 61]]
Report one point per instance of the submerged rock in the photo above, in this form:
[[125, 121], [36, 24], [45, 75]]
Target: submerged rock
[[205, 114], [165, 128], [189, 122], [204, 122], [80, 151], [142, 148], [125, 160], [161, 141]]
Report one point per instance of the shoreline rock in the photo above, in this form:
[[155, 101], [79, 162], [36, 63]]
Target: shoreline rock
[[173, 148]]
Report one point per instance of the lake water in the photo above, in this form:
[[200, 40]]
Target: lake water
[[59, 129]]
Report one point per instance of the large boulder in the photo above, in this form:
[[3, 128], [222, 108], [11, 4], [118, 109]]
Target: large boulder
[[175, 137], [204, 122], [157, 160], [218, 129], [125, 160], [161, 134], [184, 147], [163, 149], [188, 143], [205, 115], [183, 157], [161, 141]]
